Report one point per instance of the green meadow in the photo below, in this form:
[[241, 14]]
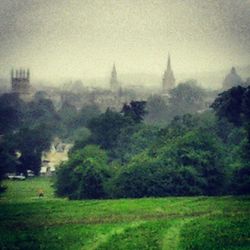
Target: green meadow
[[30, 222]]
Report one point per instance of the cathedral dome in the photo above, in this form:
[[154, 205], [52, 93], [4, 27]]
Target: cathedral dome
[[232, 79]]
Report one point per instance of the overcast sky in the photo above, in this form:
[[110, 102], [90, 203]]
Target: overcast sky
[[82, 38]]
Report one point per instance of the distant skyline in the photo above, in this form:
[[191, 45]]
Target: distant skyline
[[82, 38]]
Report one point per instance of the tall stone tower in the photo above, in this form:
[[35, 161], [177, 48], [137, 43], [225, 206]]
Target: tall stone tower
[[20, 81], [168, 81], [115, 86]]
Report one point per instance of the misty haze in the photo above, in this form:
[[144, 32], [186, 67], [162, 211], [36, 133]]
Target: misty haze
[[125, 124]]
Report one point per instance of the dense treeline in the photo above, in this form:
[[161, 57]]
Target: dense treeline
[[27, 129], [186, 98], [153, 148], [199, 154]]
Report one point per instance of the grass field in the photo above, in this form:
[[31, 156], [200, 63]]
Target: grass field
[[30, 222]]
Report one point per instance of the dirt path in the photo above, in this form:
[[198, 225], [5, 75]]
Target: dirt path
[[172, 237], [105, 237]]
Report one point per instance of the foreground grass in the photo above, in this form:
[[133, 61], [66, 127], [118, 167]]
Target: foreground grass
[[30, 222]]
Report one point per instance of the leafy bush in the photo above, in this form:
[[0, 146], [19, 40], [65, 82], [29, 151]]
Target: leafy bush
[[241, 181], [83, 175], [188, 165]]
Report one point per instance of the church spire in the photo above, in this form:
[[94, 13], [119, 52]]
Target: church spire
[[114, 83], [12, 73], [168, 81], [28, 74], [169, 63], [114, 74]]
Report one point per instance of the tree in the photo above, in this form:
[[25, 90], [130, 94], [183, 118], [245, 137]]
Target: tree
[[233, 105], [190, 164], [157, 110], [41, 111], [106, 128], [134, 140], [246, 104], [201, 151], [72, 121], [31, 142], [241, 181], [194, 157], [87, 113], [28, 129], [186, 98], [68, 116], [135, 110], [8, 157], [229, 105], [84, 175], [177, 127], [12, 110], [80, 137]]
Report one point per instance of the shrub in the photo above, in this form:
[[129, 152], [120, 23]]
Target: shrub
[[83, 175]]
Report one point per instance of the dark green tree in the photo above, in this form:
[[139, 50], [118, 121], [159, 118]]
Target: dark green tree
[[135, 111], [41, 111], [233, 105], [8, 157], [190, 164], [106, 128], [157, 110], [12, 110], [186, 98], [31, 142], [68, 119], [134, 140], [87, 113], [84, 175], [229, 105]]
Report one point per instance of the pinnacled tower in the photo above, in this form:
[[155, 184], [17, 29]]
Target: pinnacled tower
[[20, 81], [168, 81], [115, 86]]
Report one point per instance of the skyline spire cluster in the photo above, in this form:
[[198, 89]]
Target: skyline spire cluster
[[168, 81]]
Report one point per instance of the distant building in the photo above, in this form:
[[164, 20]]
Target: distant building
[[20, 81], [20, 84], [57, 154], [231, 80], [168, 81], [115, 85]]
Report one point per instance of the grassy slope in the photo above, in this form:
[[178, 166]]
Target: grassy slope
[[30, 222]]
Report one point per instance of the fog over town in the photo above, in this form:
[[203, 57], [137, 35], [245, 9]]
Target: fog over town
[[125, 124], [60, 41]]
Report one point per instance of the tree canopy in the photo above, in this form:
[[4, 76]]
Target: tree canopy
[[84, 174]]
